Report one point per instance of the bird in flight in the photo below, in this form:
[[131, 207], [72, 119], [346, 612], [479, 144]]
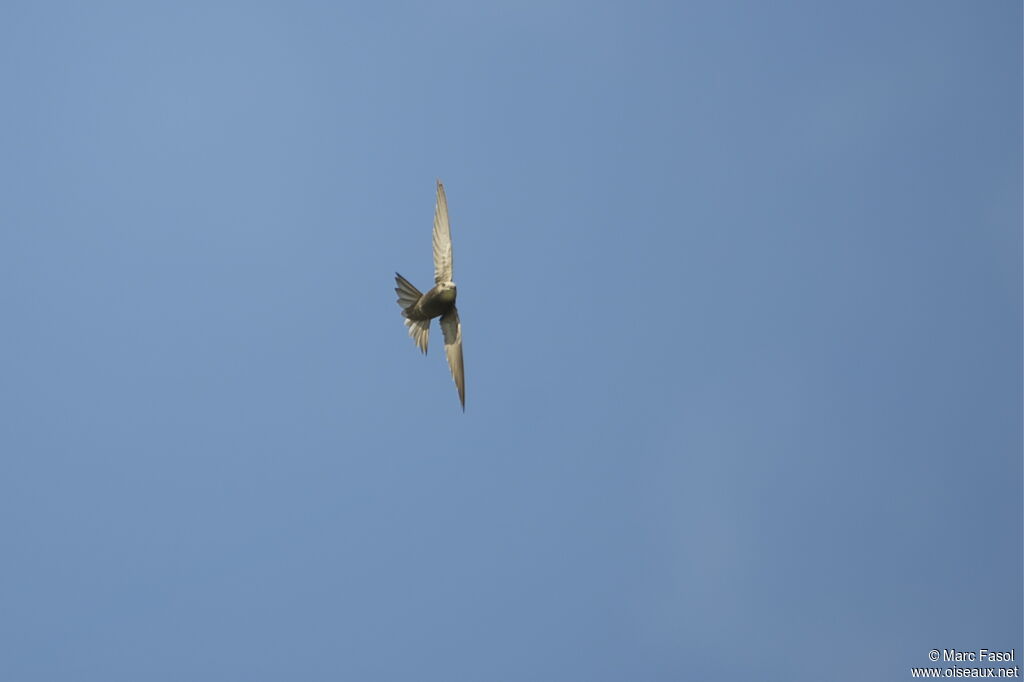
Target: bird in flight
[[419, 309]]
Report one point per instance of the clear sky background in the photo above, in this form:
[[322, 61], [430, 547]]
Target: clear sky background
[[740, 286]]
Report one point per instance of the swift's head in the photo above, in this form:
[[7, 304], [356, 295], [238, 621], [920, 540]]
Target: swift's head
[[446, 291]]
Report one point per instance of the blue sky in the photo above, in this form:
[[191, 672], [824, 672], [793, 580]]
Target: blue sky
[[740, 286]]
